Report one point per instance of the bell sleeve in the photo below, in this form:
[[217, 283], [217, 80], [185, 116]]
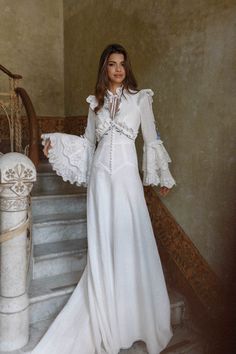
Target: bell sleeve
[[156, 159], [71, 156]]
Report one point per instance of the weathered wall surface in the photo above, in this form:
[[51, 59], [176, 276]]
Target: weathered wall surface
[[185, 51], [32, 45]]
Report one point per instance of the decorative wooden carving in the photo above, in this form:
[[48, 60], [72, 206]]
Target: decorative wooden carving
[[186, 268]]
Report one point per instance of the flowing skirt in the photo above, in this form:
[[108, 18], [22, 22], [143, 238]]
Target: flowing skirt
[[122, 295]]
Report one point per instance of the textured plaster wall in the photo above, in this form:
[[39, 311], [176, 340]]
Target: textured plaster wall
[[31, 44], [185, 51]]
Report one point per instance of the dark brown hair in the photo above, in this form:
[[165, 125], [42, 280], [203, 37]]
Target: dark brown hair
[[102, 83]]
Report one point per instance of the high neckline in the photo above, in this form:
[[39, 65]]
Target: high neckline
[[117, 93]]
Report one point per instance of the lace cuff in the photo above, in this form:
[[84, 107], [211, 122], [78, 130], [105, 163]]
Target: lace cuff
[[71, 156], [155, 165]]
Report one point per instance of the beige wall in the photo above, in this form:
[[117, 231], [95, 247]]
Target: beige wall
[[32, 45], [185, 51]]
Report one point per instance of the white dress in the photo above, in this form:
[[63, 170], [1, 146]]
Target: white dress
[[122, 295]]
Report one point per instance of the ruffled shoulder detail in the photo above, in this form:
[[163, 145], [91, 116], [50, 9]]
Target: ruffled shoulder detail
[[91, 99], [144, 93]]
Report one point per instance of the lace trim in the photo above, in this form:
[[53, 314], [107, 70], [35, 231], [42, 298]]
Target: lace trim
[[71, 157], [122, 128], [118, 92], [155, 165], [112, 104], [109, 100], [162, 177]]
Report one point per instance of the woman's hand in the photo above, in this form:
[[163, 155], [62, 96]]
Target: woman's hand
[[164, 191], [47, 146]]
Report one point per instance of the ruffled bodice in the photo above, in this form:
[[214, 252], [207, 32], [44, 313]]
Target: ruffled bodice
[[108, 117], [123, 113], [116, 124]]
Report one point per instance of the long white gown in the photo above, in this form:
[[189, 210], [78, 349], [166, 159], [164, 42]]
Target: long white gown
[[122, 295]]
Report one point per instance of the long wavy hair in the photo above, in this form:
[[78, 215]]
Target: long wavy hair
[[102, 83]]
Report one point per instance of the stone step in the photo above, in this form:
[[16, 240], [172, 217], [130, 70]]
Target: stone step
[[60, 257], [184, 341], [48, 296], [44, 166], [59, 203], [58, 227], [49, 182]]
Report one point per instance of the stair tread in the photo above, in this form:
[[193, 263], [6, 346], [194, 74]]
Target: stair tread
[[54, 285], [58, 194], [47, 250], [67, 281], [59, 218], [45, 166]]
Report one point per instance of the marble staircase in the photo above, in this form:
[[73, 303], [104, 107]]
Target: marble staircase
[[59, 257]]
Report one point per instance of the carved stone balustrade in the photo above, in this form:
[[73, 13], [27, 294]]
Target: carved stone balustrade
[[17, 174]]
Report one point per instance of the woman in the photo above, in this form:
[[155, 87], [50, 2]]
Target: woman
[[122, 296]]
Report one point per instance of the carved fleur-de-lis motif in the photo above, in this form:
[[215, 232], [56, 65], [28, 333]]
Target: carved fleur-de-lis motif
[[20, 175]]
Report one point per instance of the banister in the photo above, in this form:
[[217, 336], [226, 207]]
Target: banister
[[9, 73], [33, 125]]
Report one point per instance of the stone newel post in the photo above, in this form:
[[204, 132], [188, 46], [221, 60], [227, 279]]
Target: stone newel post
[[17, 174]]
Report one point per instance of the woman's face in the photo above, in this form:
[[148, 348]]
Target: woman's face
[[116, 69]]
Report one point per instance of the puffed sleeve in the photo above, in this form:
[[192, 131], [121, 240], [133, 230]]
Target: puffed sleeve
[[155, 157], [71, 156]]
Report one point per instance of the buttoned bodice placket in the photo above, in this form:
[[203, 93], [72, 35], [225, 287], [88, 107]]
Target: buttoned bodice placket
[[113, 134], [114, 100]]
